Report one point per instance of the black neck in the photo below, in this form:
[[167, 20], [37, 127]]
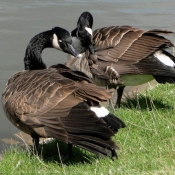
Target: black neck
[[32, 59], [74, 33]]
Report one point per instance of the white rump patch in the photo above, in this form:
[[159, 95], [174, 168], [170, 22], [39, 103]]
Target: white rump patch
[[100, 111], [164, 58], [55, 42], [89, 30]]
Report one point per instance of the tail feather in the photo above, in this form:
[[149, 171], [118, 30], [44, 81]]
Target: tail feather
[[163, 79], [83, 128], [171, 70], [97, 145], [114, 122], [100, 151]]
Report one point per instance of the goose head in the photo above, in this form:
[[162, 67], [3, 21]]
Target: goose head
[[85, 21], [57, 38], [84, 31], [62, 41]]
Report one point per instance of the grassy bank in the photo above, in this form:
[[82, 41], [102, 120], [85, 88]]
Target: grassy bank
[[147, 144]]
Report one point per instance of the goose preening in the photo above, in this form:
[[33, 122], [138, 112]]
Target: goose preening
[[124, 56], [57, 102]]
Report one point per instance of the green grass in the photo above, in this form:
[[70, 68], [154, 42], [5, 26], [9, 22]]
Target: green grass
[[147, 144]]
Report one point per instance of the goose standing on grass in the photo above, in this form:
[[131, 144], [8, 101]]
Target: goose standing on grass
[[57, 102], [124, 55]]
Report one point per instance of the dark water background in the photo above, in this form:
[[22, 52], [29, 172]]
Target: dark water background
[[20, 20]]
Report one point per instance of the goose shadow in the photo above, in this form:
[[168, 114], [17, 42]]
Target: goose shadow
[[56, 151], [143, 102]]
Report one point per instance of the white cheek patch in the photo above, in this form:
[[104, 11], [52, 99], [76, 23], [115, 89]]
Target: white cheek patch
[[100, 111], [89, 30], [55, 42], [164, 59]]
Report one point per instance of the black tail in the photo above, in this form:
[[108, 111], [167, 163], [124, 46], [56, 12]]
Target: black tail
[[163, 79], [98, 145], [113, 122], [82, 127], [88, 131], [170, 71]]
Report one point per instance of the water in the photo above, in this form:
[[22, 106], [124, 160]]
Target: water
[[21, 20]]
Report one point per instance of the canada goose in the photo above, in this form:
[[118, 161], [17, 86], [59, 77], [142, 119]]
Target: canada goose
[[58, 102], [125, 56]]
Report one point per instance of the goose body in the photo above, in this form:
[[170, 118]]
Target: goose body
[[136, 56], [59, 103]]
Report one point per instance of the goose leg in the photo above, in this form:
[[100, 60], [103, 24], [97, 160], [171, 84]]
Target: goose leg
[[114, 154], [119, 95], [69, 150], [35, 144]]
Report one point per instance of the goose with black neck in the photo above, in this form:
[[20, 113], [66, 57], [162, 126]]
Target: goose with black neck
[[57, 38], [57, 102], [125, 56]]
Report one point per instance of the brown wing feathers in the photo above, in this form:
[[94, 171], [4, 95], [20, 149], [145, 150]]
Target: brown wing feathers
[[50, 105], [122, 42], [88, 131], [127, 49]]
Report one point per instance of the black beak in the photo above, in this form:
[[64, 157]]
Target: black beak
[[73, 51]]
